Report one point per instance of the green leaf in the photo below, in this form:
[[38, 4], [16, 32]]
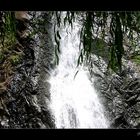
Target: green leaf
[[76, 74]]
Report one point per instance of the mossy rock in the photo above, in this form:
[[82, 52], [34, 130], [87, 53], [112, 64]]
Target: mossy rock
[[15, 59], [1, 57], [138, 120], [136, 59]]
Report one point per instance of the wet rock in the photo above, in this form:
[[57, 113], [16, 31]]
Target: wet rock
[[24, 104], [121, 98]]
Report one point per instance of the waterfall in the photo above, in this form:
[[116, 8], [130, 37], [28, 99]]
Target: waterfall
[[74, 100]]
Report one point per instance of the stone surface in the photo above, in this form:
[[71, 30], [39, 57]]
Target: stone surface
[[24, 104]]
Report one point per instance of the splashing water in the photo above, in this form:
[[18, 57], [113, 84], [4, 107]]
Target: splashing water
[[74, 101]]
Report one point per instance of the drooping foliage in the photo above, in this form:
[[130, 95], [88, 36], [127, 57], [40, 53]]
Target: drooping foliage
[[113, 27], [119, 30]]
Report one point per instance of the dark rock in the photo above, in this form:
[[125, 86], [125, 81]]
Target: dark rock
[[118, 121], [27, 97]]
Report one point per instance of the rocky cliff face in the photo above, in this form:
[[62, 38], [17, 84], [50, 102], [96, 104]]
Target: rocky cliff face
[[120, 93], [25, 103]]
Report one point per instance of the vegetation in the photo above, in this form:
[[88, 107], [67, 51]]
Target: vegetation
[[109, 34], [136, 59], [10, 48], [118, 30], [113, 27]]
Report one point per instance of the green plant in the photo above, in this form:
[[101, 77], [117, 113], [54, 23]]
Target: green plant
[[8, 30], [115, 25], [136, 59], [15, 59]]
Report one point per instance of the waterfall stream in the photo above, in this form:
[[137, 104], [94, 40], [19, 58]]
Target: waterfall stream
[[74, 100]]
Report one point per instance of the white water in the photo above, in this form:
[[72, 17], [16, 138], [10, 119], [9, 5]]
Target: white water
[[74, 102]]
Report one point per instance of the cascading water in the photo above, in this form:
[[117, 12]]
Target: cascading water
[[74, 100]]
